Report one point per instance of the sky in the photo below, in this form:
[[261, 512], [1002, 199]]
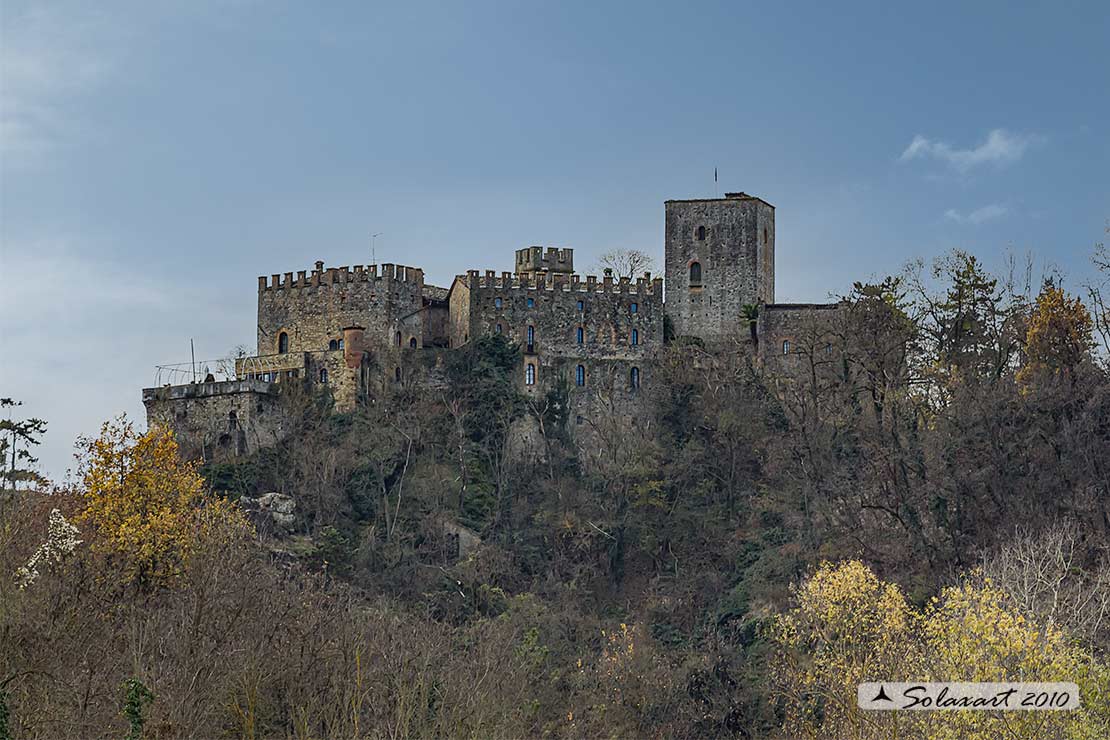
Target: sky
[[155, 158]]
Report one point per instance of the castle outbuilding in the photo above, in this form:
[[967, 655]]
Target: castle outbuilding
[[356, 330]]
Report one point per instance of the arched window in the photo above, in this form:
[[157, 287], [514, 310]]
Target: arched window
[[580, 335], [580, 376], [530, 374], [635, 336], [333, 345], [581, 305], [633, 307], [412, 342], [497, 303], [531, 335], [283, 343], [499, 329], [695, 273], [786, 346], [397, 374], [701, 233], [324, 376], [634, 378], [397, 339]]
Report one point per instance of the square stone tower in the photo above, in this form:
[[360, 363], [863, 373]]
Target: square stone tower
[[720, 256]]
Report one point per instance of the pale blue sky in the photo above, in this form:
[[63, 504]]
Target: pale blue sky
[[156, 157]]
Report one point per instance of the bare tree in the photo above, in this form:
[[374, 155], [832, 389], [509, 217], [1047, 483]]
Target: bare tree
[[1045, 574], [628, 263]]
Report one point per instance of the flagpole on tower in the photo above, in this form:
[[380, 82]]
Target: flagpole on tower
[[715, 193]]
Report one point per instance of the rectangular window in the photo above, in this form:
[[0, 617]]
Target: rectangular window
[[497, 303], [531, 302], [581, 305], [635, 337], [633, 308]]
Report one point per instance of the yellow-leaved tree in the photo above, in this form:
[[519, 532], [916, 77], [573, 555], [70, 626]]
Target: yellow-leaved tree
[[1058, 336], [849, 627], [147, 505]]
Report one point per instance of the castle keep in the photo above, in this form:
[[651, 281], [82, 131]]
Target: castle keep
[[356, 330]]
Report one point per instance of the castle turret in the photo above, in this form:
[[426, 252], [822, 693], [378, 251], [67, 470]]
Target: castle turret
[[535, 261], [720, 256]]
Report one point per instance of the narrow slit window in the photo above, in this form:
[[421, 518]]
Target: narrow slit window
[[580, 376], [634, 378], [283, 343], [635, 337], [701, 233], [580, 335], [323, 376], [530, 374]]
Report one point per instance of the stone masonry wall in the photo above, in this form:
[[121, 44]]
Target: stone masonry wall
[[217, 421], [314, 309], [795, 336], [733, 240]]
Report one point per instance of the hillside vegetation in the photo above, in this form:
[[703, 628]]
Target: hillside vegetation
[[927, 497]]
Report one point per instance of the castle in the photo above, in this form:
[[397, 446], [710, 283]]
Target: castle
[[357, 330]]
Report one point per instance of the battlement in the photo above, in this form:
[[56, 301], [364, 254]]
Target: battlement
[[554, 260], [507, 281], [341, 275]]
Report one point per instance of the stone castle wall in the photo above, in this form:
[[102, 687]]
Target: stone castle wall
[[218, 421], [732, 240], [313, 310]]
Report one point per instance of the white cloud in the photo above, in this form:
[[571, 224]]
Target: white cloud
[[1000, 147], [978, 216]]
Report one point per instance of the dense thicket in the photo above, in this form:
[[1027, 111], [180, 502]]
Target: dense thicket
[[626, 589]]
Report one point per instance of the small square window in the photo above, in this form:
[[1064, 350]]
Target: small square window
[[497, 303]]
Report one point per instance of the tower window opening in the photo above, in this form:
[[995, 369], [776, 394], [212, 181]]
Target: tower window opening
[[633, 308], [397, 339], [786, 346], [499, 328], [580, 376], [580, 335], [635, 336], [634, 378], [397, 374], [530, 374], [340, 344], [531, 302], [497, 303], [765, 236], [701, 233], [333, 345], [531, 335], [283, 343], [581, 305], [323, 376], [412, 342], [695, 273]]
